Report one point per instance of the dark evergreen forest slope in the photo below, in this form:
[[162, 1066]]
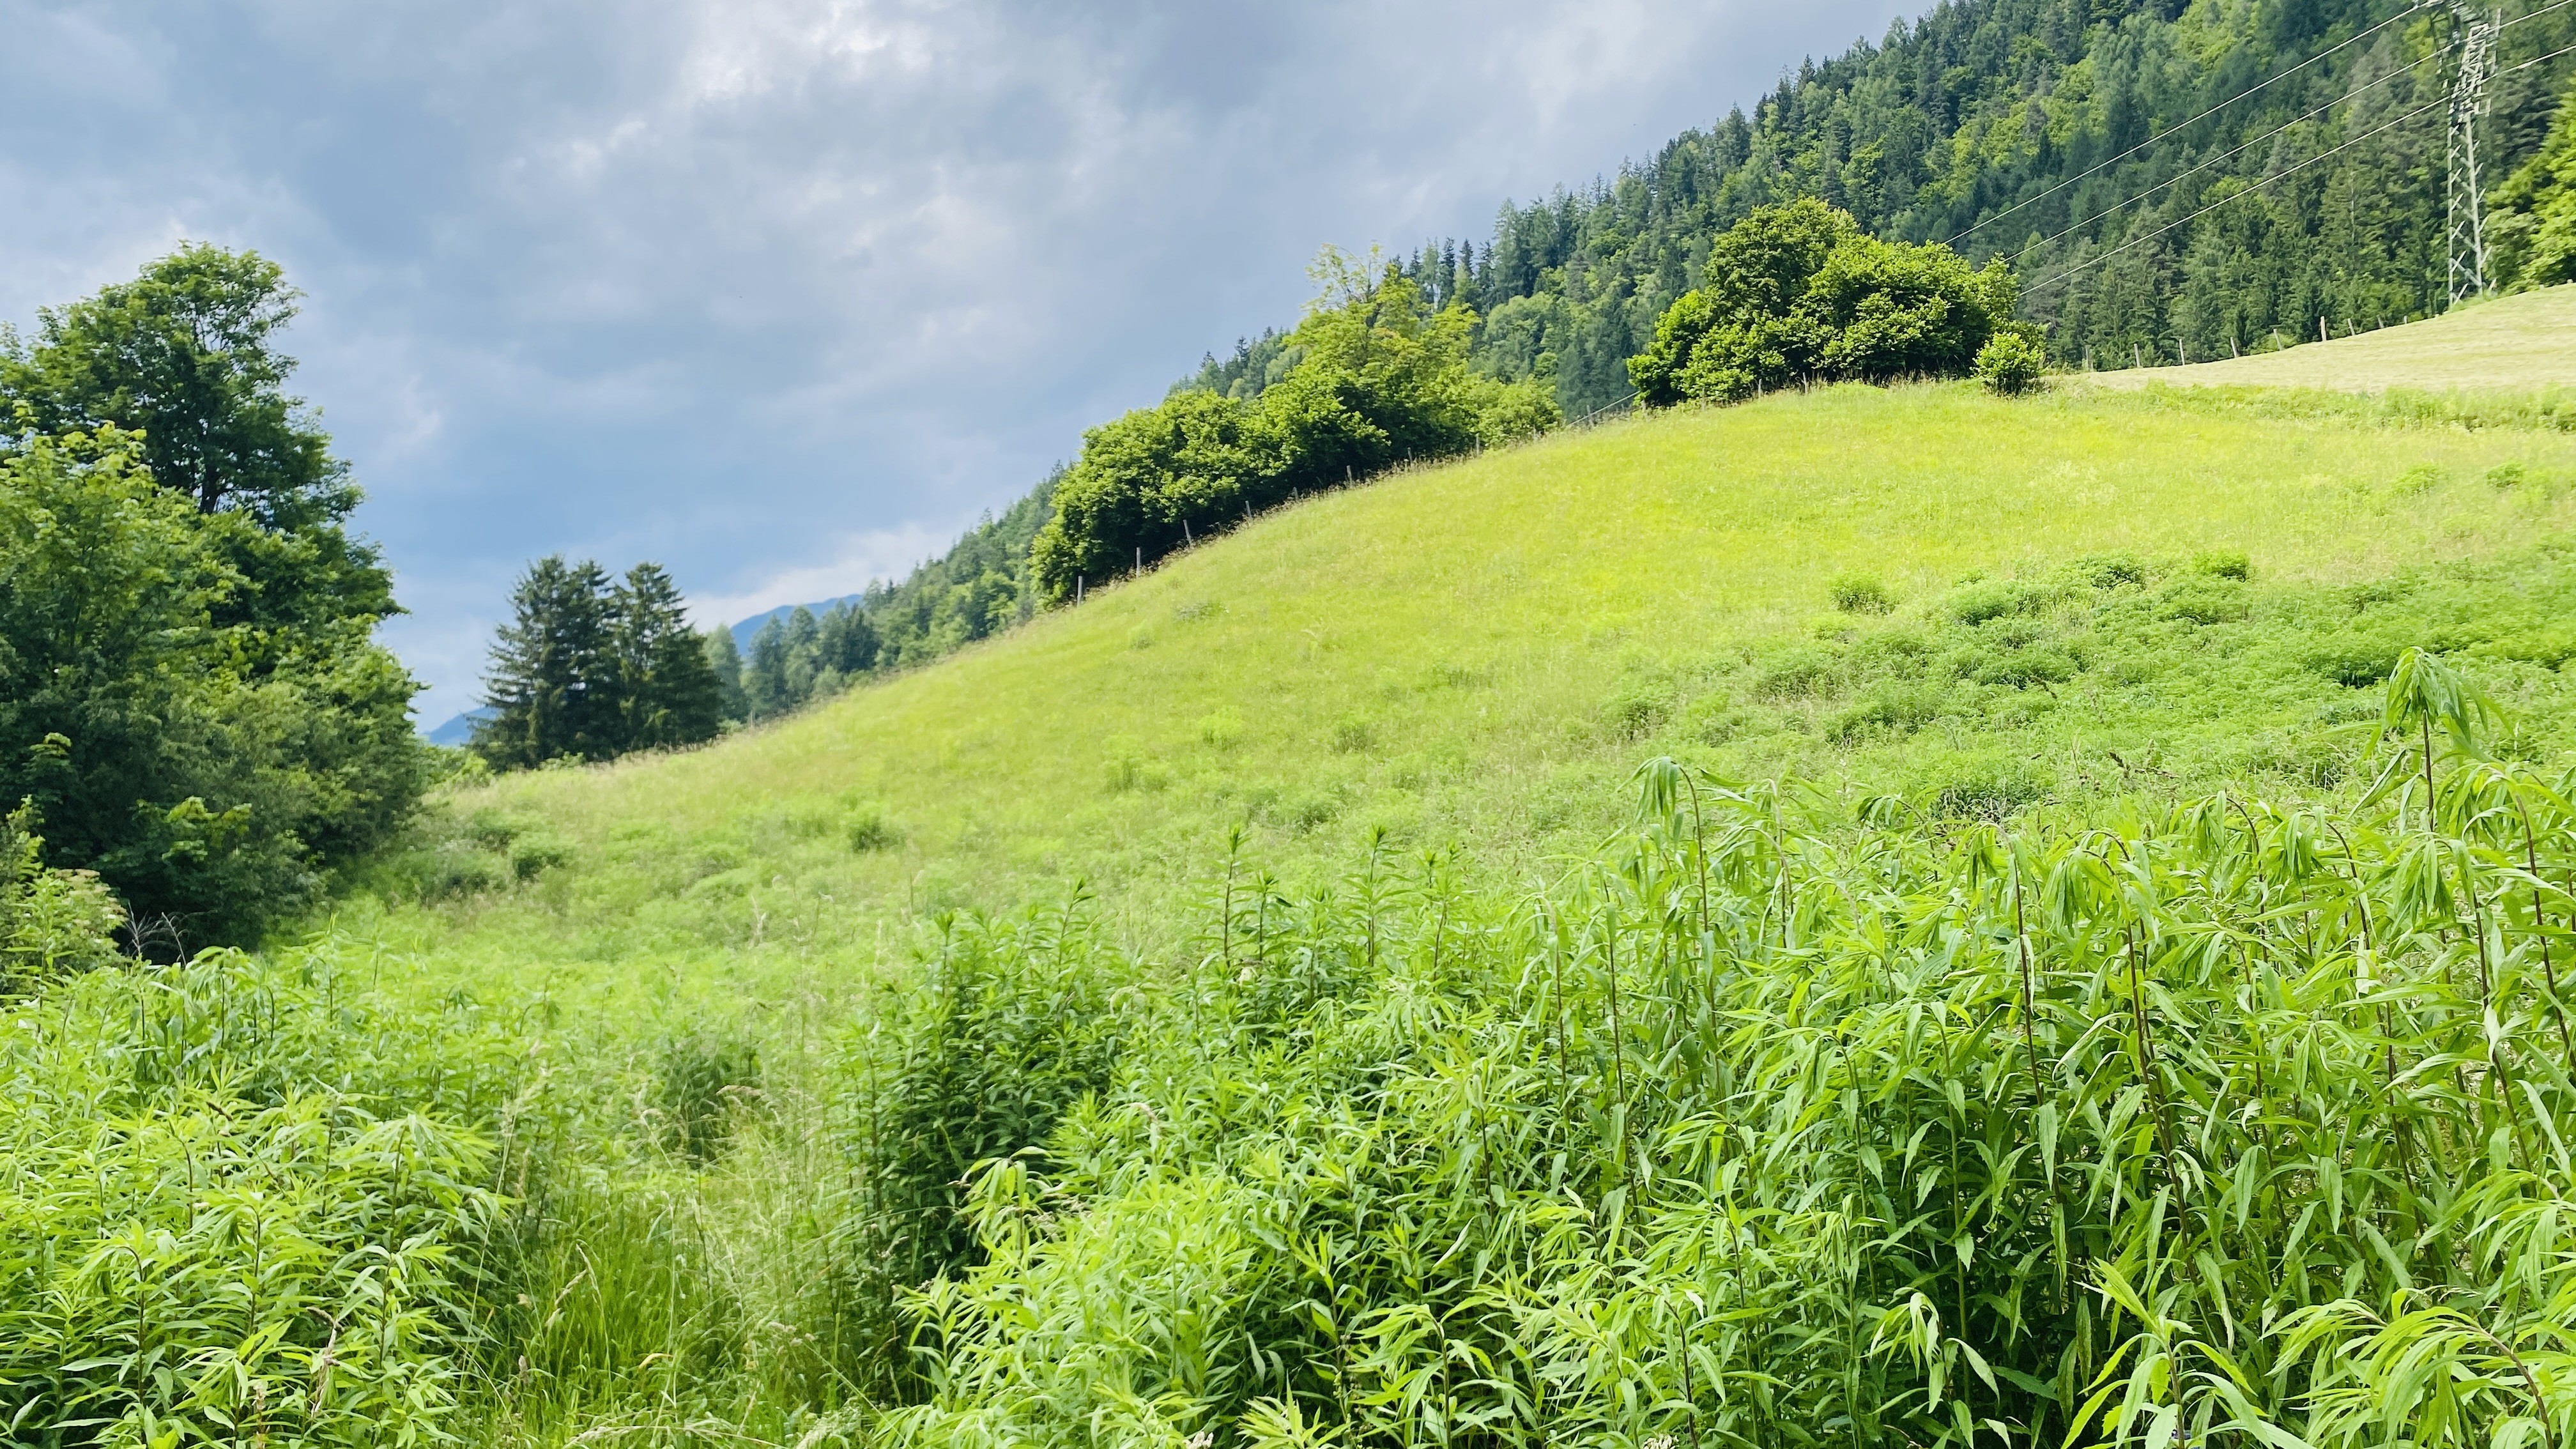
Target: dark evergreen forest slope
[[2064, 134]]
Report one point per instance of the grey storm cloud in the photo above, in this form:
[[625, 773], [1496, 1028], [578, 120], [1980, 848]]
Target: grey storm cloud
[[784, 292]]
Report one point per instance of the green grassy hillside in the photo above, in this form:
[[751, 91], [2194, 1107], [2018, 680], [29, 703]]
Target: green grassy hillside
[[1775, 924], [2507, 343], [1444, 652]]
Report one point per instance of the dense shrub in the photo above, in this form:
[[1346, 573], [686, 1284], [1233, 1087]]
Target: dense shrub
[[2010, 363], [1380, 378], [53, 923], [235, 1212], [1796, 291], [1860, 594], [1011, 1023], [1770, 1118]]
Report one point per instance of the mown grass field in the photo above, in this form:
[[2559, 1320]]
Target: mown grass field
[[2523, 341]]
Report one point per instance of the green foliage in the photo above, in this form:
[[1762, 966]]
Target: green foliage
[[185, 357], [209, 766], [53, 923], [977, 589], [1798, 292], [800, 658], [724, 661], [701, 1086], [188, 688], [1379, 378], [2533, 225], [1009, 1026], [2008, 130], [589, 670], [1900, 1130], [2010, 363], [1860, 594], [215, 1231]]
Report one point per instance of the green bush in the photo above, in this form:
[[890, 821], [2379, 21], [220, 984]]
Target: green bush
[[53, 923], [1798, 291], [1010, 1024], [240, 1209], [1380, 378], [2011, 363], [1861, 594], [210, 772], [2224, 564], [1977, 603], [1798, 673], [1637, 709], [869, 830]]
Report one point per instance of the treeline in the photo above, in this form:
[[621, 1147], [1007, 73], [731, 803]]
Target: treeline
[[192, 704]]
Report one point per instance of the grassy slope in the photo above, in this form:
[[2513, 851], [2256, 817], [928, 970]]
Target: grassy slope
[[2522, 341], [1444, 653], [1434, 652]]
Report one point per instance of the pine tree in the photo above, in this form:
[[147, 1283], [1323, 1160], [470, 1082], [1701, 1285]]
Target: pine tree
[[764, 680], [725, 660], [804, 637], [666, 691], [549, 664], [848, 642]]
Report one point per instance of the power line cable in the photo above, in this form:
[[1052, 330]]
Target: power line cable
[[2426, 108], [2173, 131], [2232, 150], [2275, 131]]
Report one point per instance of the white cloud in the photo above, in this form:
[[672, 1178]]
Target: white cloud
[[858, 560]]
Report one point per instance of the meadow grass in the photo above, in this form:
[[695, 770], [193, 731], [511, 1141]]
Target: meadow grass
[[2501, 344], [1422, 654], [1174, 983]]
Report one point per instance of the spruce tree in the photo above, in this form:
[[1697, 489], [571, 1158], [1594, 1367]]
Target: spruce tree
[[764, 679], [804, 655], [549, 689], [666, 692], [725, 659], [849, 641]]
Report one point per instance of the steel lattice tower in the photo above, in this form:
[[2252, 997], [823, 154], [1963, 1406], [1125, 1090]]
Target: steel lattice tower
[[2466, 199]]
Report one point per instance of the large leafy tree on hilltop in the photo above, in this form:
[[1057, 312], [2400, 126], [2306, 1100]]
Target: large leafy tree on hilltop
[[1798, 291]]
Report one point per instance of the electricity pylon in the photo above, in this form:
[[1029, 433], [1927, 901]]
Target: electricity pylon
[[2466, 196]]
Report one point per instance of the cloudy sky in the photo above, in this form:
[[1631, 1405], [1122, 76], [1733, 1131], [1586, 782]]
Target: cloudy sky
[[783, 293]]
